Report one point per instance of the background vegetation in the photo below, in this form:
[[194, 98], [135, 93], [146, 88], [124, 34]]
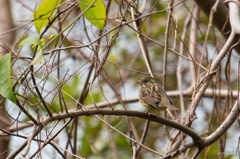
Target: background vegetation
[[69, 71]]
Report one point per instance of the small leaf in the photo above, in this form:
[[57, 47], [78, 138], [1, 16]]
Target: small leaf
[[38, 58], [32, 41], [5, 78], [96, 14], [42, 41], [44, 13]]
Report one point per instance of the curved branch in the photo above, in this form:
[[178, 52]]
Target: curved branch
[[220, 18], [223, 127], [214, 136], [234, 15], [76, 113], [173, 94]]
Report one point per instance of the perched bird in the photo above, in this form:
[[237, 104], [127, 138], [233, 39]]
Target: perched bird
[[153, 97]]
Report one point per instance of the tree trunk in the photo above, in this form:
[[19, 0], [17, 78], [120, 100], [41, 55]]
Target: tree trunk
[[6, 40]]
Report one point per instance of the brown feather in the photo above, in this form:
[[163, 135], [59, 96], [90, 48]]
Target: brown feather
[[152, 96]]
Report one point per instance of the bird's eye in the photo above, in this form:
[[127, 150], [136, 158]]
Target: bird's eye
[[145, 81]]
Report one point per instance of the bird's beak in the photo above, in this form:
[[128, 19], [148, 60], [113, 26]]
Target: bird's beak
[[139, 82]]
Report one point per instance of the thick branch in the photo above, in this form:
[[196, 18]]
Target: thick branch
[[187, 93], [220, 18], [223, 127], [214, 136], [77, 113]]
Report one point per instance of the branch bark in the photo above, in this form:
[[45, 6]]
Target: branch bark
[[220, 19], [6, 40]]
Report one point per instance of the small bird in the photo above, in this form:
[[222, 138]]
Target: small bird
[[153, 97]]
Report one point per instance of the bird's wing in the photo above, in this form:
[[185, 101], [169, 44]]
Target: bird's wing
[[152, 99], [166, 101]]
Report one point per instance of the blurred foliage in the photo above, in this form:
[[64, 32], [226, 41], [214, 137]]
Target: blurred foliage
[[94, 138]]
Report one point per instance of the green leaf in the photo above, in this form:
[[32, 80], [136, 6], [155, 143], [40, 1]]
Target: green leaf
[[38, 58], [96, 14], [44, 13], [5, 78], [31, 41]]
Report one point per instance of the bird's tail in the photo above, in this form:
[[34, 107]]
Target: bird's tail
[[171, 107]]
